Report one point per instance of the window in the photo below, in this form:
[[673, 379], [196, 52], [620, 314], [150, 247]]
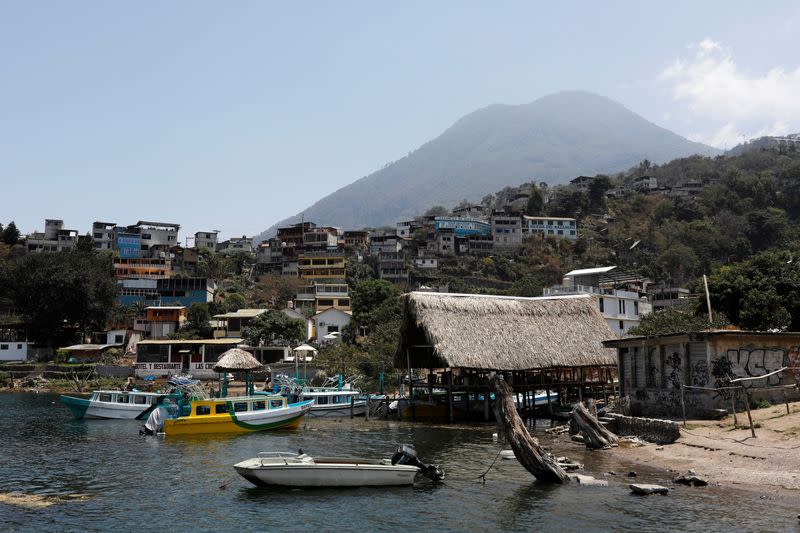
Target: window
[[345, 302], [201, 410], [238, 407], [275, 404], [119, 339], [333, 329], [121, 398], [221, 408], [104, 398], [636, 308], [259, 405], [19, 346], [602, 305], [146, 236], [141, 400], [3, 346], [621, 326]]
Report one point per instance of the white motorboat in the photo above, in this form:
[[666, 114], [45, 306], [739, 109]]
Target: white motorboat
[[112, 404], [301, 470], [330, 400]]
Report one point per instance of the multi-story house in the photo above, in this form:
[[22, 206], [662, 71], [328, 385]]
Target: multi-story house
[[618, 302], [54, 239], [294, 233], [550, 227], [662, 297], [320, 296], [155, 238], [380, 243], [206, 239], [162, 321], [161, 292], [645, 183], [321, 238], [506, 230], [581, 183], [392, 267], [462, 226], [236, 244], [103, 235], [356, 240], [471, 211], [322, 266]]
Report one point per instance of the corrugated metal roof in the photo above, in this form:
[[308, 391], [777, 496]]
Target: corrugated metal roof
[[589, 271], [233, 341]]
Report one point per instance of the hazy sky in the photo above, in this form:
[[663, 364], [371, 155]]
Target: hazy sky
[[234, 115]]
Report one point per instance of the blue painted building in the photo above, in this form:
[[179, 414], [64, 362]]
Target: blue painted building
[[161, 292], [463, 227]]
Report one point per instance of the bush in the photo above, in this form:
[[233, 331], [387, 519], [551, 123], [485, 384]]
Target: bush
[[763, 404]]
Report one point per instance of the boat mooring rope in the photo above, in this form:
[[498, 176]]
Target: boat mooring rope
[[482, 477]]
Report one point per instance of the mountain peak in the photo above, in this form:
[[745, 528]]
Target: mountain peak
[[552, 139]]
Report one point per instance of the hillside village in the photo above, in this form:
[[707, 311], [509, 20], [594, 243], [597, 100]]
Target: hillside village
[[596, 235]]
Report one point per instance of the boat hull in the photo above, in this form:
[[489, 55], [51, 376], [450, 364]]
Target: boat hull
[[339, 410], [77, 406], [333, 475], [231, 422]]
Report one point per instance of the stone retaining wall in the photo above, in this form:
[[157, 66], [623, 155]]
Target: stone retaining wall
[[649, 429]]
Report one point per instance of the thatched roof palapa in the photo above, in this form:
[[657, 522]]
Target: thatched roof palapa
[[237, 360], [442, 330]]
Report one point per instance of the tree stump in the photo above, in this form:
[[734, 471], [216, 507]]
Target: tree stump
[[595, 435], [526, 448]]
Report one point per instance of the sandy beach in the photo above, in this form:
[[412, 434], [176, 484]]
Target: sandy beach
[[720, 453]]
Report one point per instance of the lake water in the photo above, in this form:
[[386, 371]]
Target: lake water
[[173, 484]]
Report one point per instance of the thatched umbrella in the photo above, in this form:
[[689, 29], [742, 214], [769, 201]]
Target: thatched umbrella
[[237, 360]]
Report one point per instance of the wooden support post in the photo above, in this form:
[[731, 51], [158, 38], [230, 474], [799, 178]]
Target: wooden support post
[[352, 405], [526, 448], [450, 415], [550, 408], [683, 403], [733, 408], [786, 401], [749, 416], [486, 405]]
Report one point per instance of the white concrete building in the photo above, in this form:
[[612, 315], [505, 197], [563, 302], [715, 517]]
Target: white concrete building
[[621, 308], [506, 230], [566, 228], [103, 235], [206, 239], [329, 323], [236, 244], [54, 239], [14, 350]]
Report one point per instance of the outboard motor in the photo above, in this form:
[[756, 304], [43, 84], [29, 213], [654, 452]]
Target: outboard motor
[[407, 455]]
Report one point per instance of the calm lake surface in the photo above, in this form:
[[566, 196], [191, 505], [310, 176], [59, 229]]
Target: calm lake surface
[[172, 484]]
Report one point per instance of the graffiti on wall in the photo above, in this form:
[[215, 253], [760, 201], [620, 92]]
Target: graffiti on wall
[[673, 364], [700, 376], [752, 363]]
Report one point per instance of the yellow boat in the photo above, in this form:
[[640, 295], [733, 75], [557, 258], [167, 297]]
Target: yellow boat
[[237, 415]]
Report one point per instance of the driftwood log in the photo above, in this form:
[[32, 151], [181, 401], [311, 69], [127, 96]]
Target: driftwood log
[[595, 435], [526, 448]]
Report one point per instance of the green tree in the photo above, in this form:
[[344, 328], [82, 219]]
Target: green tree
[[60, 294], [197, 324], [535, 205], [216, 267], [598, 188], [437, 210], [760, 293], [84, 245], [274, 327], [10, 234], [677, 319]]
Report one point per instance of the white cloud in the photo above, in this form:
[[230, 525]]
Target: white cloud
[[725, 103]]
